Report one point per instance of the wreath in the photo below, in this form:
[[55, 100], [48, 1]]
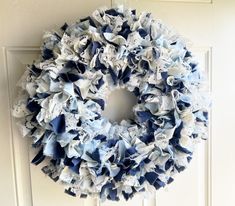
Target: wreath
[[64, 92]]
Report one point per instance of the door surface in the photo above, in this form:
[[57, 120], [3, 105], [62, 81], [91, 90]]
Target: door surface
[[209, 24]]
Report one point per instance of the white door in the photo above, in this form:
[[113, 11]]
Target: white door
[[209, 24]]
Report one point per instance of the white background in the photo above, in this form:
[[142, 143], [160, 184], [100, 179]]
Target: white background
[[210, 25]]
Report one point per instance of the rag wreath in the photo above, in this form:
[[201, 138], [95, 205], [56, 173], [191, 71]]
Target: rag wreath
[[64, 92]]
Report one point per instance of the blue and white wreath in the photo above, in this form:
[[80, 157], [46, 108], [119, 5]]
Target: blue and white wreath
[[64, 92]]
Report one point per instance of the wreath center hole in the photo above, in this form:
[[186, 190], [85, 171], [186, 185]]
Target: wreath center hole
[[119, 105]]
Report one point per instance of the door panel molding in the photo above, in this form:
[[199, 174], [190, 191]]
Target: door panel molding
[[201, 165], [126, 2], [15, 60], [188, 1]]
